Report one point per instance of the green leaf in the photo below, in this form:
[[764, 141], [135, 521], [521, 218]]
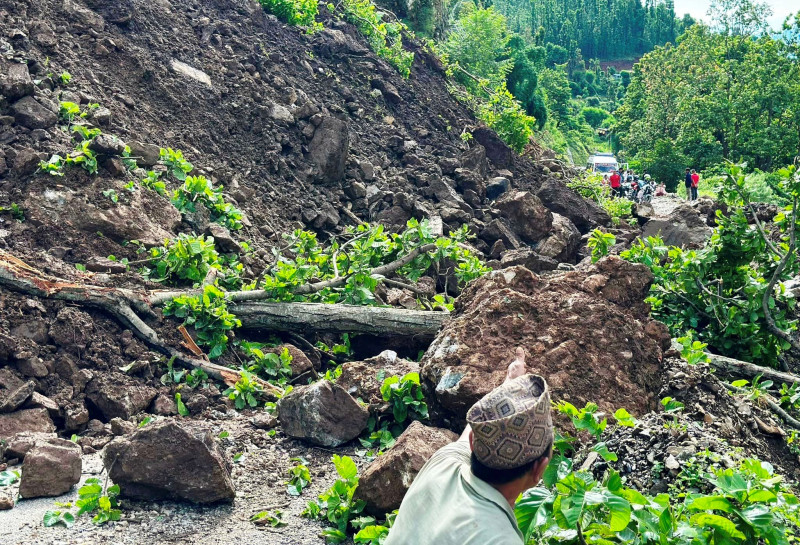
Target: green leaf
[[345, 467], [721, 524], [182, 410], [711, 503]]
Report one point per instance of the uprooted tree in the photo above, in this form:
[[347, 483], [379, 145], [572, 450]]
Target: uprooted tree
[[289, 296]]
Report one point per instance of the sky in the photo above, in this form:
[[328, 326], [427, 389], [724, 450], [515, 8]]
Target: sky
[[698, 9]]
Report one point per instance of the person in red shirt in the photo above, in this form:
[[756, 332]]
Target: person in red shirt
[[615, 184], [695, 183]]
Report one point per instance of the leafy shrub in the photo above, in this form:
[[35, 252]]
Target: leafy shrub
[[187, 260], [591, 186], [368, 247], [199, 189], [503, 113], [92, 498], [208, 314], [405, 397], [294, 12], [594, 116], [175, 163], [385, 38], [269, 366], [600, 242], [152, 180], [336, 505], [244, 393]]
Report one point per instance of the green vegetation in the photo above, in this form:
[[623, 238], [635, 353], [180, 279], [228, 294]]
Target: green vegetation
[[14, 210], [592, 187], [294, 12], [384, 37], [274, 520], [725, 92], [599, 242], [8, 477], [245, 392], [187, 260], [199, 189], [92, 498], [727, 292], [208, 315], [336, 505], [300, 477]]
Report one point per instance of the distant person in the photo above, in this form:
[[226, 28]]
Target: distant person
[[616, 189], [688, 183], [661, 190], [695, 184]]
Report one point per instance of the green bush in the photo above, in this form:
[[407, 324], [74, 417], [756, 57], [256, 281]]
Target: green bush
[[200, 189], [293, 12], [384, 37], [186, 260], [594, 116], [208, 314], [503, 113]]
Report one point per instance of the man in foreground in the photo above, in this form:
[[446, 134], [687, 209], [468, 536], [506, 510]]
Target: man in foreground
[[466, 492]]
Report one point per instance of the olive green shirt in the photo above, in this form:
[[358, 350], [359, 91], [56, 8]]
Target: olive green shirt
[[448, 505]]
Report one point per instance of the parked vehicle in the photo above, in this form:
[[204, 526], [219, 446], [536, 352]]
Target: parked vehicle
[[602, 163]]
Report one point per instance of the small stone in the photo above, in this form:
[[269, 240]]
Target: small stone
[[6, 503], [31, 114], [671, 463], [264, 421]]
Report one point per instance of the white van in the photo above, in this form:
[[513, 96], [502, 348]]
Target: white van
[[602, 163]]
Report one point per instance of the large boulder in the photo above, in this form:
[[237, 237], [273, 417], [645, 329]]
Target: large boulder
[[322, 413], [118, 396], [50, 468], [563, 243], [585, 214], [328, 149], [530, 259], [387, 480], [363, 379], [497, 151], [32, 420], [684, 227], [168, 460], [526, 215], [587, 332]]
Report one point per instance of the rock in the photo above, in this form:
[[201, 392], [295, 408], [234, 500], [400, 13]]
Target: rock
[[281, 113], [593, 319], [26, 162], [118, 396], [475, 160], [530, 259], [497, 151], [101, 116], [12, 399], [585, 214], [75, 416], [389, 91], [467, 180], [644, 210], [449, 165], [105, 265], [34, 420], [32, 367], [322, 413], [300, 362], [31, 114], [562, 245], [264, 421], [168, 460], [122, 427], [526, 215], [190, 72], [498, 229], [147, 155], [223, 241], [50, 469], [119, 12], [355, 190], [328, 149], [387, 480], [17, 82], [362, 379], [6, 503], [107, 144], [38, 401], [19, 445], [496, 187], [164, 405], [684, 227]]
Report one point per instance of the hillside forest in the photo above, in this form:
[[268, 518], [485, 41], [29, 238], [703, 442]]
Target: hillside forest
[[260, 258]]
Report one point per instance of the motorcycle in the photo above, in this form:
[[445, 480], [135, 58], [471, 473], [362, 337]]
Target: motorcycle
[[646, 192]]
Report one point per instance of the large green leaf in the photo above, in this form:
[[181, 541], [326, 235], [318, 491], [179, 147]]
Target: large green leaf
[[711, 503], [721, 524], [345, 467], [531, 510]]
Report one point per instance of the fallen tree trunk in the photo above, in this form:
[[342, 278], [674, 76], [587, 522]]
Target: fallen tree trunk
[[751, 370], [300, 317]]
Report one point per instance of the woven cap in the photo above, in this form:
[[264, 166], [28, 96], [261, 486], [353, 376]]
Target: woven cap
[[511, 425]]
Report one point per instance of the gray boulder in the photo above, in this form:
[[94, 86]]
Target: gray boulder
[[322, 413], [684, 227], [562, 245], [585, 214], [17, 82], [167, 460], [33, 420], [118, 395], [526, 215]]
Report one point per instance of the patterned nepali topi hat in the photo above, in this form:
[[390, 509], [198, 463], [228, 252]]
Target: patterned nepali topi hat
[[512, 425]]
